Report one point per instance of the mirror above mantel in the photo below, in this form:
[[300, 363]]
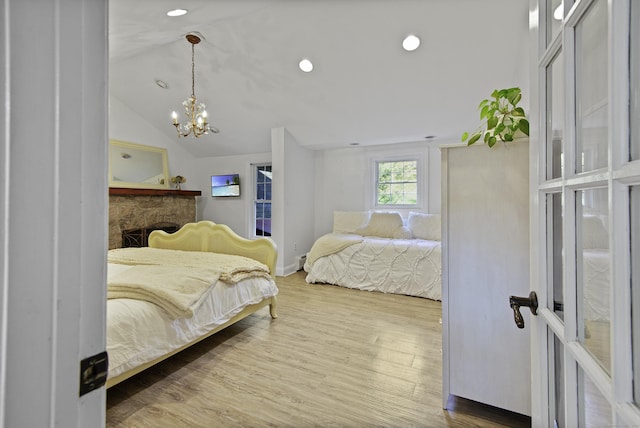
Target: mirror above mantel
[[137, 166]]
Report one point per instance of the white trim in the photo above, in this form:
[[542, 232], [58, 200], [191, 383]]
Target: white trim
[[5, 183]]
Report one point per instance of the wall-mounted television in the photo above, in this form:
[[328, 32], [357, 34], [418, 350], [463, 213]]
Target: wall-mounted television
[[225, 185]]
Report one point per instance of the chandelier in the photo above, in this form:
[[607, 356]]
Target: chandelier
[[196, 124]]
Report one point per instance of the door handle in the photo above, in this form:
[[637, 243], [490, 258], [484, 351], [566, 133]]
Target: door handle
[[515, 303]]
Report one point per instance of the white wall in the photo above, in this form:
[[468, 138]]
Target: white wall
[[235, 212], [127, 125], [343, 179], [293, 199]]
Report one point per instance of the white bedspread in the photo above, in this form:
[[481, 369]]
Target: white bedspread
[[139, 331], [596, 285], [401, 266], [175, 280]]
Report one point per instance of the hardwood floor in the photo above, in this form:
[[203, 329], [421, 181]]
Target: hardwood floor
[[335, 357]]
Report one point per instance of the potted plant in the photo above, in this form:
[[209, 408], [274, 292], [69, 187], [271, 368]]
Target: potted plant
[[502, 118]]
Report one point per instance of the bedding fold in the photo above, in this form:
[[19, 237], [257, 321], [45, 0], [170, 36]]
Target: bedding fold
[[232, 268], [176, 280], [178, 290], [331, 243]]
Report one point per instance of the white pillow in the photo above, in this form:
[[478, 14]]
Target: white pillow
[[382, 224], [424, 226], [402, 233], [349, 221]]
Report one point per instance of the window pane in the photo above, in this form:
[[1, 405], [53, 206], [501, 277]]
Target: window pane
[[591, 89], [556, 381], [397, 183], [555, 120], [595, 410], [262, 204], [555, 14], [635, 288], [634, 58], [592, 239], [554, 250]]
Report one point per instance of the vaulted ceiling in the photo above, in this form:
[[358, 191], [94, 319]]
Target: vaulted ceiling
[[364, 88]]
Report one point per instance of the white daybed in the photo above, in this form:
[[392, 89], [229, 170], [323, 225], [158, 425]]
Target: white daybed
[[220, 278], [379, 251]]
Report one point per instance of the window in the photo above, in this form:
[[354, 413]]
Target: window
[[397, 182], [262, 200]]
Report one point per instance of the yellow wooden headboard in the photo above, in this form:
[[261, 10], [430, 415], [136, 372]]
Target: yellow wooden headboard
[[216, 238]]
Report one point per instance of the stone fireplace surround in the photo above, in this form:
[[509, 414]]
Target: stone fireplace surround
[[141, 208]]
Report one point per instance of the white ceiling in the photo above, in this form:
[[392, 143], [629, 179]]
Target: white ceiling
[[364, 88]]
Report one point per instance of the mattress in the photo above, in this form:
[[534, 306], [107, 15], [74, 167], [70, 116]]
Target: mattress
[[400, 266], [139, 331]]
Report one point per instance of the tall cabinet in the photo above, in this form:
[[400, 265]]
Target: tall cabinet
[[485, 256]]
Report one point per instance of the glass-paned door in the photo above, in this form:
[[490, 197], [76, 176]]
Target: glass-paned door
[[586, 232]]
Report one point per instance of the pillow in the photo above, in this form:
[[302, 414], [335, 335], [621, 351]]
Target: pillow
[[594, 234], [424, 226], [402, 233], [382, 224], [349, 221]]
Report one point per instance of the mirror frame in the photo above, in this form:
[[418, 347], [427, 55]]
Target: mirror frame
[[132, 146]]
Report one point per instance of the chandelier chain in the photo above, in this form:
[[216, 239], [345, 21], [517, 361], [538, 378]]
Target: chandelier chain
[[193, 71]]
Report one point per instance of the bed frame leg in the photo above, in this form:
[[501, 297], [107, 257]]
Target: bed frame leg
[[272, 307]]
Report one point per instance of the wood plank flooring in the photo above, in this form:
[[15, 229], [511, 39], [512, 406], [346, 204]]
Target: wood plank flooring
[[335, 357]]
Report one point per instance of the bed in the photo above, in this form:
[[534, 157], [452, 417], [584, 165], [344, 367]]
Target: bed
[[216, 278], [380, 251]]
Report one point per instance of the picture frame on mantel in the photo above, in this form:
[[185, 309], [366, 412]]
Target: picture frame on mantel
[[137, 166]]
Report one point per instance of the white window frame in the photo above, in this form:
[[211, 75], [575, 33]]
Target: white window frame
[[421, 166], [254, 198]]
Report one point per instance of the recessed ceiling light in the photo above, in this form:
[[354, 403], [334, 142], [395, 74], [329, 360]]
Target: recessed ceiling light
[[162, 84], [411, 43], [177, 12], [354, 144], [430, 137], [305, 65]]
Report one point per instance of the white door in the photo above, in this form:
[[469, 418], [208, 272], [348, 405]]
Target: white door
[[585, 193], [53, 207]]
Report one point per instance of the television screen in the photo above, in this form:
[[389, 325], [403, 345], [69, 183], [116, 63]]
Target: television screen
[[225, 185]]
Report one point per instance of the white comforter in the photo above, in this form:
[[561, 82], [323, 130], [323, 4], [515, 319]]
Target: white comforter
[[139, 331], [596, 285], [401, 266]]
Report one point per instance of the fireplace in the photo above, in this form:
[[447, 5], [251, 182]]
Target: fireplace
[[134, 213], [140, 237]]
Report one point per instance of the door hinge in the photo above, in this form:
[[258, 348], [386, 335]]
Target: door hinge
[[93, 372]]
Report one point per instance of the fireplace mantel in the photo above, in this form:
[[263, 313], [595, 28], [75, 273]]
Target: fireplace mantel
[[123, 191]]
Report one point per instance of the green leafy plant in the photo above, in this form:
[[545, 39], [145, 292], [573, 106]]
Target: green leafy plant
[[502, 118]]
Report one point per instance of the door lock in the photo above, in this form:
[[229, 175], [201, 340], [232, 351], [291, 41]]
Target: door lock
[[515, 303]]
